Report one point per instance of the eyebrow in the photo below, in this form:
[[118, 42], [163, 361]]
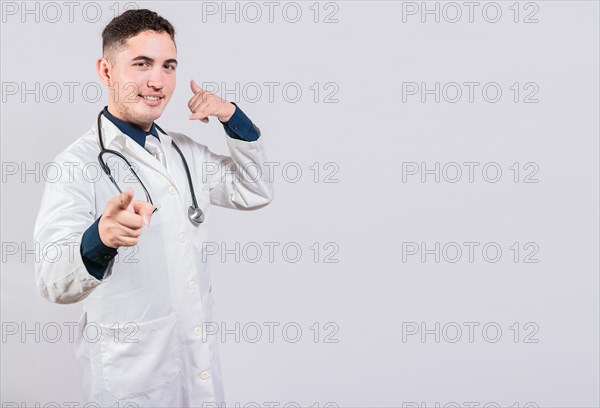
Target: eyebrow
[[151, 60]]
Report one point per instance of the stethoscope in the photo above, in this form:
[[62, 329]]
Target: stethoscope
[[195, 214]]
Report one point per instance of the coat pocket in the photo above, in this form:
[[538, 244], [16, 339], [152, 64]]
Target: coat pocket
[[138, 358]]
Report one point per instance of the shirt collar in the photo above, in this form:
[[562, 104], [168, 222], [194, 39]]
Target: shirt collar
[[134, 132]]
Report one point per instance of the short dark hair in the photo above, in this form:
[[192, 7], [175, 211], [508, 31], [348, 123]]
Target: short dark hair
[[131, 23]]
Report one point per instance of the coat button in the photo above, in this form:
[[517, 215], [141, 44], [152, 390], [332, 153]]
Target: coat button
[[204, 375], [197, 331], [182, 238], [172, 190], [191, 286]]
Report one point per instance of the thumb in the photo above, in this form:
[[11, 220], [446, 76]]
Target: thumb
[[144, 209], [195, 87], [125, 198]]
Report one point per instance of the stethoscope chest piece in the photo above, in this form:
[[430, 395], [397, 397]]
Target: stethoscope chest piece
[[195, 215]]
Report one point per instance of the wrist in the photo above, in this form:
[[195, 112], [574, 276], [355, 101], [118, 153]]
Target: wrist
[[102, 235], [230, 111]]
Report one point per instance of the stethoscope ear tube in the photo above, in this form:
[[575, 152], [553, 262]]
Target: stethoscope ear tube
[[103, 164], [103, 151]]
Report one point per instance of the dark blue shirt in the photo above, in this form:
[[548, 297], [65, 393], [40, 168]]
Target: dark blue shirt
[[134, 132], [95, 255]]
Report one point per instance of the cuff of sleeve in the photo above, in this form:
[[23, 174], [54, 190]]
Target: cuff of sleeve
[[240, 127], [95, 255]]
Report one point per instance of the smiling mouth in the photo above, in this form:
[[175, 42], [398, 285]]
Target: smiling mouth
[[152, 98]]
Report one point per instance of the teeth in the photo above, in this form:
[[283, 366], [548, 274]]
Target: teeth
[[152, 98]]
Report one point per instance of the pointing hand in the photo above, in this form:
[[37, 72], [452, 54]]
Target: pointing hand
[[123, 219]]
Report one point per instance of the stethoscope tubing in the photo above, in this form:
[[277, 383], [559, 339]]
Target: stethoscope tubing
[[198, 215]]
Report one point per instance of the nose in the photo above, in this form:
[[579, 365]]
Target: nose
[[155, 79]]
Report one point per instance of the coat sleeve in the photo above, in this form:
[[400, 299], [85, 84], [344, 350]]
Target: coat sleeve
[[241, 181], [67, 209]]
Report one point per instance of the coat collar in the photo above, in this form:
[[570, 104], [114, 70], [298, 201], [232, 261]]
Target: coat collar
[[115, 139], [134, 132]]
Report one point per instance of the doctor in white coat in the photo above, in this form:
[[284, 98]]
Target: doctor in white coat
[[140, 338]]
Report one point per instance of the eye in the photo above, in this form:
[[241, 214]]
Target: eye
[[170, 66]]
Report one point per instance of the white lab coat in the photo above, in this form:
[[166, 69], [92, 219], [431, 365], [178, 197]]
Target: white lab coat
[[140, 337]]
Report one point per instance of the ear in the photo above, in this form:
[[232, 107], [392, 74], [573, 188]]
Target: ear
[[103, 67]]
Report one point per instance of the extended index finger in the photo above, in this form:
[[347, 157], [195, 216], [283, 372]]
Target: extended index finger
[[125, 198]]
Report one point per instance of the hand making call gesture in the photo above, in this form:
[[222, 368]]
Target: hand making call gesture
[[204, 104]]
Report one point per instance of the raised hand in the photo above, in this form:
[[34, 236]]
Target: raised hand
[[204, 104], [123, 219]]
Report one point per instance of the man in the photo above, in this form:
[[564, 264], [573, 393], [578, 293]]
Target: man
[[140, 337]]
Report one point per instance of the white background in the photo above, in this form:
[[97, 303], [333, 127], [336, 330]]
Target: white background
[[370, 131]]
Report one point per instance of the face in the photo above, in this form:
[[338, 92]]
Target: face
[[140, 77]]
